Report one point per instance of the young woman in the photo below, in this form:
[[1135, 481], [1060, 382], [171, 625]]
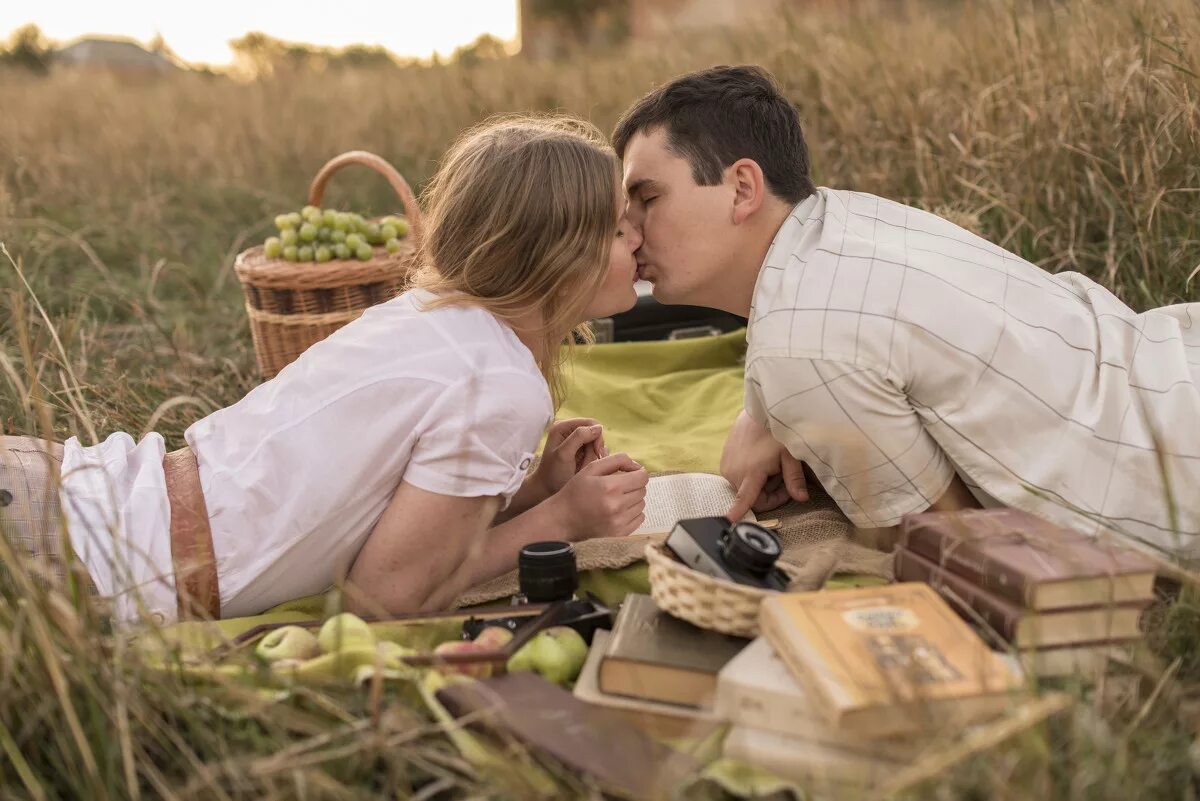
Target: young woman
[[395, 454]]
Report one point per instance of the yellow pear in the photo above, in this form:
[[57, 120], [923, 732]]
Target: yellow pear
[[345, 631], [288, 642]]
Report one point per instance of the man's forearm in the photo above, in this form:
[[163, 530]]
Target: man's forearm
[[497, 553]]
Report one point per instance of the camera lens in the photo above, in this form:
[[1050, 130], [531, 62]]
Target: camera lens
[[546, 571], [750, 547]]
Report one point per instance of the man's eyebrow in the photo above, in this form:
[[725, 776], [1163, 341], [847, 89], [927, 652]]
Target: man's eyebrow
[[640, 184]]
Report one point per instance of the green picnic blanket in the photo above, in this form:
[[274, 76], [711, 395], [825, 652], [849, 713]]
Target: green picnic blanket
[[668, 404]]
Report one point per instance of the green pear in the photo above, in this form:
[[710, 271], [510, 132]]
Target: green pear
[[550, 659], [337, 666], [573, 643], [557, 654], [522, 660], [345, 631], [288, 642], [392, 652]]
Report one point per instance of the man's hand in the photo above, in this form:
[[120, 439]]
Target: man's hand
[[762, 470], [571, 446]]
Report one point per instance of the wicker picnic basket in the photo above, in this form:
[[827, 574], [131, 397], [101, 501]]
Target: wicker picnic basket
[[702, 600], [292, 305]]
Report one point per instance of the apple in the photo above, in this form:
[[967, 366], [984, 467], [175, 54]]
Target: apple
[[479, 670], [493, 638], [345, 631], [288, 642]]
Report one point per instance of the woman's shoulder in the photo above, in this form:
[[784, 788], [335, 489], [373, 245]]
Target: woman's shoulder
[[459, 330]]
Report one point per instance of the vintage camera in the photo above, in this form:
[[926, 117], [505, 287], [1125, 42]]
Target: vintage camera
[[742, 552], [546, 573]]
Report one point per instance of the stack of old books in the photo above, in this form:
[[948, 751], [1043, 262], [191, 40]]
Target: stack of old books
[[868, 689], [845, 689], [1065, 602], [658, 672]]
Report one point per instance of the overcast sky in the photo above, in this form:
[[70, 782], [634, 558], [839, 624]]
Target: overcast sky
[[199, 32]]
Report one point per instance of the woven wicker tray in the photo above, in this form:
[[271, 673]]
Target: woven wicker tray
[[702, 600]]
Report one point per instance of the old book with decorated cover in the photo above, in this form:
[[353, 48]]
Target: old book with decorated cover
[[756, 690], [887, 660]]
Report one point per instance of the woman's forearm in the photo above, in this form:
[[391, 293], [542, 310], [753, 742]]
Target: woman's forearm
[[499, 552], [532, 492]]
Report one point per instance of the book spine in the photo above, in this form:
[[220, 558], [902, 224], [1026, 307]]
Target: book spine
[[779, 713], [966, 560], [775, 630], [999, 614], [763, 709]]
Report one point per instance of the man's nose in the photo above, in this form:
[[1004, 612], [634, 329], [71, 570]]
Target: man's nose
[[636, 237]]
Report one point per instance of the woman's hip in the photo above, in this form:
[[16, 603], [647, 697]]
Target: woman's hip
[[30, 512]]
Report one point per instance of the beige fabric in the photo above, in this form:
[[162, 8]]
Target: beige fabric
[[30, 514], [816, 539]]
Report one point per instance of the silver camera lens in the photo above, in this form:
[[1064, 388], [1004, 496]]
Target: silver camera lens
[[750, 547]]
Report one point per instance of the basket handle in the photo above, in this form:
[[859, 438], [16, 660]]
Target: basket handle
[[411, 208]]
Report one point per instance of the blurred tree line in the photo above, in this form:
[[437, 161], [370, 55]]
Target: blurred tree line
[[28, 49], [258, 54]]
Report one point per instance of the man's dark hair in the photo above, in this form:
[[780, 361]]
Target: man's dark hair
[[716, 116]]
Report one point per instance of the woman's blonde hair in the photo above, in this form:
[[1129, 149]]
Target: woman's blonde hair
[[521, 217]]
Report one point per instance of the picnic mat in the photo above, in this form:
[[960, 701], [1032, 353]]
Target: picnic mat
[[669, 404]]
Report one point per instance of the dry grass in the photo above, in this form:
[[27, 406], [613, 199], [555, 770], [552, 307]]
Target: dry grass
[[1066, 131]]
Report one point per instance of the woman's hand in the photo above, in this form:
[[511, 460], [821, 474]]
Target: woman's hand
[[571, 445], [606, 498]]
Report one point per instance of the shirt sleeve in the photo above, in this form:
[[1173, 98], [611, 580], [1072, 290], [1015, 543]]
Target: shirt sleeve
[[482, 436], [856, 431]]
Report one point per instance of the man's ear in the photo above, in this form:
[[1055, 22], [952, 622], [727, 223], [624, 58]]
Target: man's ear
[[749, 188]]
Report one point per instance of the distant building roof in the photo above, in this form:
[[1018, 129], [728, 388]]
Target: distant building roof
[[111, 53]]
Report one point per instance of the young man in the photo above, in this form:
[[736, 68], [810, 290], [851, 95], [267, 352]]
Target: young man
[[908, 362]]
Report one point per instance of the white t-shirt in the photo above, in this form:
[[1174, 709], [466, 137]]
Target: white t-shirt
[[296, 474], [890, 348]]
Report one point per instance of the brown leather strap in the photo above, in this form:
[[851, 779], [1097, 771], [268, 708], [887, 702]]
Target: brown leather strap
[[192, 552]]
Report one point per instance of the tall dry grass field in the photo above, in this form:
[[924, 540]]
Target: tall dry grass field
[[1067, 131]]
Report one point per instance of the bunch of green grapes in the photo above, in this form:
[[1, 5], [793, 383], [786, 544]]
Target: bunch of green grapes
[[322, 235]]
